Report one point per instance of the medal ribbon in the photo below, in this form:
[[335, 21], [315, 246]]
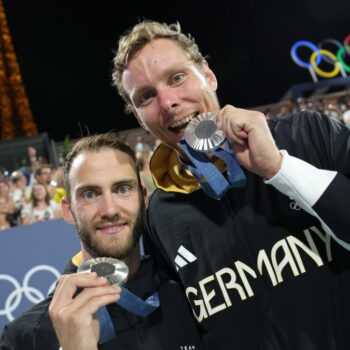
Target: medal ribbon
[[130, 302], [216, 183]]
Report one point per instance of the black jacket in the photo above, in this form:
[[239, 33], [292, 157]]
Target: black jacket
[[171, 326], [259, 272]]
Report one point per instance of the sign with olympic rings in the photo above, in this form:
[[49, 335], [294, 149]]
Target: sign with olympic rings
[[339, 57], [32, 258], [32, 293]]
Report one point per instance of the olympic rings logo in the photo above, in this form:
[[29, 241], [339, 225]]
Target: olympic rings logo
[[33, 294], [319, 53]]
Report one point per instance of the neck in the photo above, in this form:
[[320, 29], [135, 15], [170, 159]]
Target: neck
[[41, 203]]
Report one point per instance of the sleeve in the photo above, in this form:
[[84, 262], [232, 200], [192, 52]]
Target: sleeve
[[8, 340], [322, 190]]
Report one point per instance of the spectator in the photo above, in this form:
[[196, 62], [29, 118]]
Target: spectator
[[7, 204], [4, 217], [43, 175], [20, 190], [41, 207]]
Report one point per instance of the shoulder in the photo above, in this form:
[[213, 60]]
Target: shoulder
[[306, 120], [313, 137], [31, 329]]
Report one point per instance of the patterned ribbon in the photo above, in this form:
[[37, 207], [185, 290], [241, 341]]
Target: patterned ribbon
[[131, 303], [216, 183]]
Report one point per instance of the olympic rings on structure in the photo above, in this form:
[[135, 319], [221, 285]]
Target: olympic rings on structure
[[319, 53], [340, 56], [33, 294], [320, 72]]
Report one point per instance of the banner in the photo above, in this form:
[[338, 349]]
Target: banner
[[32, 257]]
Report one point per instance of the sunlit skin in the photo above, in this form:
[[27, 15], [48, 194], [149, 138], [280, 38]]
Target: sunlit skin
[[106, 204], [165, 86]]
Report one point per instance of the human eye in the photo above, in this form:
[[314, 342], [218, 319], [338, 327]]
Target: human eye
[[124, 190], [178, 78], [145, 98], [89, 195]]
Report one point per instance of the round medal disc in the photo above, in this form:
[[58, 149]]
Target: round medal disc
[[202, 133], [115, 271]]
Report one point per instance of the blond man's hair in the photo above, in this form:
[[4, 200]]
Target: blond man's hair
[[138, 37]]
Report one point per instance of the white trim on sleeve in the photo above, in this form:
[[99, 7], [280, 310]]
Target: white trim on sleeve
[[305, 184], [301, 181]]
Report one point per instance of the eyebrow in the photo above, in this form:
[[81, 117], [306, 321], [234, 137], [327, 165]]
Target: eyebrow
[[130, 182]]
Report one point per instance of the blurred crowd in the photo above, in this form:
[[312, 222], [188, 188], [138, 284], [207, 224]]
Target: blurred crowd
[[33, 193], [337, 108]]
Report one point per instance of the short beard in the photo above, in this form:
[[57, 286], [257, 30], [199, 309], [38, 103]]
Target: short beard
[[94, 248]]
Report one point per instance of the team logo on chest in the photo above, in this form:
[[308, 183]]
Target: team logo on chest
[[183, 257]]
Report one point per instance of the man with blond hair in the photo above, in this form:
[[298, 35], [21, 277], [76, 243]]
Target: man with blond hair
[[267, 265]]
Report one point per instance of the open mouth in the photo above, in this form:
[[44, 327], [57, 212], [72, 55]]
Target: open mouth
[[181, 124]]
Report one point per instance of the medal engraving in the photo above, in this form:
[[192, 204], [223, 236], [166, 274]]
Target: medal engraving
[[202, 133], [103, 269], [115, 271]]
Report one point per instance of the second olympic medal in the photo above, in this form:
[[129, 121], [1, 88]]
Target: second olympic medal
[[114, 270]]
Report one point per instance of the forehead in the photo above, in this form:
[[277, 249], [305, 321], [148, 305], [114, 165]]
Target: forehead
[[155, 56], [160, 49], [105, 165], [45, 170]]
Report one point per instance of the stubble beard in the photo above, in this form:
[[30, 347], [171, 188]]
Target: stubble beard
[[115, 249]]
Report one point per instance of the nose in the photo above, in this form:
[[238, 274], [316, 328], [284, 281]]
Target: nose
[[167, 99], [109, 207]]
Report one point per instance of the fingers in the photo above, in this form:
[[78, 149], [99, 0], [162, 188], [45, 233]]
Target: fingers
[[234, 123], [96, 293], [93, 298], [68, 284], [74, 314], [84, 314], [251, 140]]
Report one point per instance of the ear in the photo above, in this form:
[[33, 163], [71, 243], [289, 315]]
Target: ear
[[67, 212], [139, 119], [210, 76]]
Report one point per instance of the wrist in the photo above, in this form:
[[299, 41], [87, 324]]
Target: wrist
[[275, 167]]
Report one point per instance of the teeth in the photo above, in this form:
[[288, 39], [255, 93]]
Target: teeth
[[183, 121]]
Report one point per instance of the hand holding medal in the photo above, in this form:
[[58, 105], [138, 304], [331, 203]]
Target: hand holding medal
[[202, 138], [116, 272]]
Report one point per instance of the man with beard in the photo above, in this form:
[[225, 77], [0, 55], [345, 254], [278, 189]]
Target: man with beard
[[105, 201], [265, 265]]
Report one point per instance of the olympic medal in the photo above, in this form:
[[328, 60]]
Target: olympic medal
[[202, 133], [115, 271]]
